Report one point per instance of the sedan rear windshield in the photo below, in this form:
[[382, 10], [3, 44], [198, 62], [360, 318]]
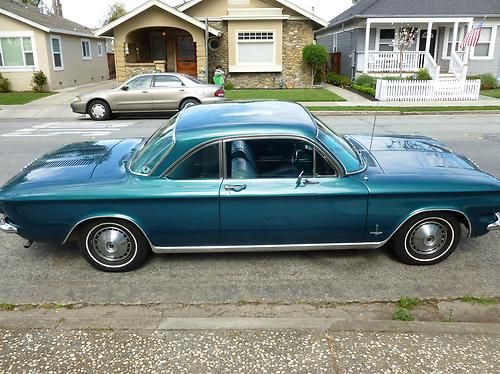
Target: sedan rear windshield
[[154, 149]]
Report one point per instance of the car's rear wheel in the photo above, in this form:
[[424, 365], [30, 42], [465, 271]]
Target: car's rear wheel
[[113, 245], [427, 238], [99, 110], [188, 103]]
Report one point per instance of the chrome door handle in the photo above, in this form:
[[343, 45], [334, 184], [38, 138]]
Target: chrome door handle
[[311, 181], [235, 187], [145, 91]]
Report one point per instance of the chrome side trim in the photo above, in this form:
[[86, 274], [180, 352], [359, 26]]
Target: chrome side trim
[[118, 216], [7, 227], [265, 248], [495, 225]]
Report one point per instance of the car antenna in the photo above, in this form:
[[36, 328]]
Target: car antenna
[[374, 125]]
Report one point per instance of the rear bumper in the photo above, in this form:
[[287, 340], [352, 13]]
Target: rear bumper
[[495, 225], [7, 227], [213, 100]]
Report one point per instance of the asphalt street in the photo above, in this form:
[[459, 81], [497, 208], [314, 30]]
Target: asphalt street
[[50, 273]]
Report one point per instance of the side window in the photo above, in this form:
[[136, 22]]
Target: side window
[[203, 164], [167, 81], [140, 83], [274, 158]]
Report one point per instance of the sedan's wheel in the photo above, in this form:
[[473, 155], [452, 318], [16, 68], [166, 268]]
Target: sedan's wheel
[[99, 110], [188, 103], [113, 246], [427, 239]]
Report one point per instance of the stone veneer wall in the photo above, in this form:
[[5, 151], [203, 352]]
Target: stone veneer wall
[[221, 56], [296, 74]]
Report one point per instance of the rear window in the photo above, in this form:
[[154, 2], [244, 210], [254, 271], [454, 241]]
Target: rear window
[[154, 149]]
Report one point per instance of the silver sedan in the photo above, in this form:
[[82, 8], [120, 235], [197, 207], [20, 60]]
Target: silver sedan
[[148, 93]]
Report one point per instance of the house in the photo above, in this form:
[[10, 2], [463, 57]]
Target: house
[[363, 36], [68, 53], [258, 42]]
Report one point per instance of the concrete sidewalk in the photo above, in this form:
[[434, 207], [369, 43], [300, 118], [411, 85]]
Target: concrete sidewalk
[[54, 106]]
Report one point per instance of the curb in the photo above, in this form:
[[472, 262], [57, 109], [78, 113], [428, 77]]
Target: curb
[[399, 113]]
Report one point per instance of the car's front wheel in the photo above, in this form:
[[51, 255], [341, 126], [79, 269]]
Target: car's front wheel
[[427, 238], [99, 110], [113, 245]]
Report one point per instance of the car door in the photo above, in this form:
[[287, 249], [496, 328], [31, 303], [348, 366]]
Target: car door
[[188, 202], [136, 95], [285, 191], [168, 91]]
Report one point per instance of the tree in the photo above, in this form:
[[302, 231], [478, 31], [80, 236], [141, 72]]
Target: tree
[[404, 37], [115, 11], [316, 56]]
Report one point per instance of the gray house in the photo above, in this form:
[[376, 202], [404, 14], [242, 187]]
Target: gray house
[[363, 36]]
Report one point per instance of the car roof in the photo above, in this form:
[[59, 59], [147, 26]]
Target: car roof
[[244, 119]]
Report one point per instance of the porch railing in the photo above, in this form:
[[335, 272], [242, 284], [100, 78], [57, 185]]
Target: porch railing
[[390, 62], [457, 66], [431, 65], [443, 90]]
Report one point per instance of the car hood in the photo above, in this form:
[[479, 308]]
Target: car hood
[[414, 154], [72, 164]]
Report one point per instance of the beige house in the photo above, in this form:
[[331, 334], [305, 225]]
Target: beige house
[[258, 42], [68, 53]]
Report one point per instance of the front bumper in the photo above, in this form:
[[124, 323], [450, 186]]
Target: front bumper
[[79, 107], [7, 227], [495, 225]]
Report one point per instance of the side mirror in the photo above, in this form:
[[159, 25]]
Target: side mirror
[[124, 88]]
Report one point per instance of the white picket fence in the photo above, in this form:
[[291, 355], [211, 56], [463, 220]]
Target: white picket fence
[[431, 90]]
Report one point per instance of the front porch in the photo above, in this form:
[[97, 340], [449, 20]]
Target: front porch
[[436, 44]]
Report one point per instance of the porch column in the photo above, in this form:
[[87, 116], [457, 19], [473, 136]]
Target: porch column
[[367, 45], [429, 38], [454, 41]]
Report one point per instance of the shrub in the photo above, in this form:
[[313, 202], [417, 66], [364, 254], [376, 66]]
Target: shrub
[[38, 80], [488, 81], [366, 81], [338, 80], [4, 84], [316, 56], [423, 75], [228, 86], [319, 77], [366, 90]]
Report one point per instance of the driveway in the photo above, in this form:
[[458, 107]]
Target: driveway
[[55, 106]]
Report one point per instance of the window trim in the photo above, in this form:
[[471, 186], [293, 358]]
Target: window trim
[[493, 39], [89, 57], [100, 50], [377, 39], [20, 35], [58, 38], [252, 66], [462, 31]]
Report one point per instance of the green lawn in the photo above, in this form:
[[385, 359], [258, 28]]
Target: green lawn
[[415, 109], [308, 94], [18, 98], [493, 93]]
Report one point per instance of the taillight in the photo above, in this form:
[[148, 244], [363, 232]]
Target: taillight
[[219, 93]]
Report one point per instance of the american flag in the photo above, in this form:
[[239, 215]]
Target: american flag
[[472, 37]]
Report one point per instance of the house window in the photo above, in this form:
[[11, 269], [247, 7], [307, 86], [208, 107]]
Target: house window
[[448, 40], [16, 52], [99, 49], [86, 52], [56, 52], [256, 48], [386, 37], [486, 44]]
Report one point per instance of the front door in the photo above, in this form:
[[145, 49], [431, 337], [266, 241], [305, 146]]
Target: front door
[[186, 55], [423, 41], [264, 202]]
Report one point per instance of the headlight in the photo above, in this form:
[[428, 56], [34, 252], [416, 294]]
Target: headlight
[[77, 99]]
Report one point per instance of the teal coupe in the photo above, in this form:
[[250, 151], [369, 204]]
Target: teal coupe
[[261, 176]]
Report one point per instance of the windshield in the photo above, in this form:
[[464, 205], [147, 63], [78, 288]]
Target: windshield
[[154, 149], [340, 147]]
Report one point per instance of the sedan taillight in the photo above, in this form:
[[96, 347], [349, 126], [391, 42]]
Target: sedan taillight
[[219, 93]]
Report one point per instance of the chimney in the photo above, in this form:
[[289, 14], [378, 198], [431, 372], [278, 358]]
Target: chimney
[[57, 7]]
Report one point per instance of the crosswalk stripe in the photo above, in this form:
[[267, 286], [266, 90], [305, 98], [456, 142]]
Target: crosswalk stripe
[[69, 128]]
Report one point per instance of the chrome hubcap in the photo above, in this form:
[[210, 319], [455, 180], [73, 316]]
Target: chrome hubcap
[[112, 244], [428, 238], [98, 110]]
